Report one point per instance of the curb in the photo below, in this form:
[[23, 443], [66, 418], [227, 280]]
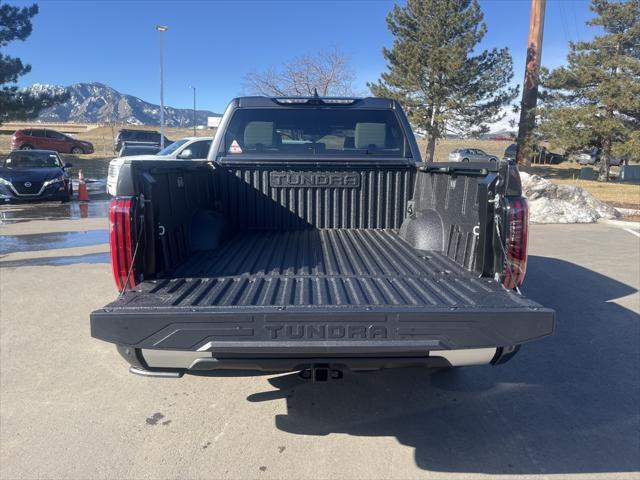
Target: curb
[[628, 211], [620, 223]]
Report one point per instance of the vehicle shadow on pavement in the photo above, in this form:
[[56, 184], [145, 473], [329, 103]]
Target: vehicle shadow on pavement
[[567, 404]]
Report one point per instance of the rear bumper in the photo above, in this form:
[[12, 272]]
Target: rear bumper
[[173, 364], [200, 341]]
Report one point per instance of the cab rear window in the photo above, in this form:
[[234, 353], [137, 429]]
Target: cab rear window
[[308, 131]]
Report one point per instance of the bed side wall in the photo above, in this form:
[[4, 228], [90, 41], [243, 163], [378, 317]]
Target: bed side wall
[[445, 216]]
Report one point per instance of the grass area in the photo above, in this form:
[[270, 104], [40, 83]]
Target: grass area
[[564, 171], [444, 147], [95, 165], [618, 194], [102, 138]]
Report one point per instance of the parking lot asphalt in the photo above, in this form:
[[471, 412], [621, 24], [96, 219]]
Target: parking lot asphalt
[[569, 404]]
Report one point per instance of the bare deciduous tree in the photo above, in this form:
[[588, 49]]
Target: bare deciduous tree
[[328, 72]]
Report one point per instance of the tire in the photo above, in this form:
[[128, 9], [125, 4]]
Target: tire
[[465, 159], [26, 146], [77, 151], [69, 196]]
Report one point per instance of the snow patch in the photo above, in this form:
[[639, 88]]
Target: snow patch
[[551, 203]]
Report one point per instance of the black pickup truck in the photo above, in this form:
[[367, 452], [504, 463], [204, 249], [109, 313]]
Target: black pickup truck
[[314, 239]]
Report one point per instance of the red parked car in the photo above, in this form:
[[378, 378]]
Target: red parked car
[[46, 139]]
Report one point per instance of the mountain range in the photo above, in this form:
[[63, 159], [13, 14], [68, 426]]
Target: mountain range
[[98, 103]]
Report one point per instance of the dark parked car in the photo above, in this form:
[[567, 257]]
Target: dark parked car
[[593, 155], [34, 175], [511, 152], [134, 148], [46, 139], [143, 137], [540, 155]]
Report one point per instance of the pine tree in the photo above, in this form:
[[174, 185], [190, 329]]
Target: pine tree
[[16, 104], [435, 72], [594, 101]]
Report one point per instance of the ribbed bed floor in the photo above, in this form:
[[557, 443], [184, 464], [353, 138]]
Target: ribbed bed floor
[[321, 269]]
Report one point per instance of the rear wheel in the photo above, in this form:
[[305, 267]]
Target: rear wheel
[[465, 159], [77, 151], [493, 159], [26, 146]]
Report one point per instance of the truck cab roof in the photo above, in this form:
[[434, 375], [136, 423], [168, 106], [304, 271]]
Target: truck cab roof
[[349, 102]]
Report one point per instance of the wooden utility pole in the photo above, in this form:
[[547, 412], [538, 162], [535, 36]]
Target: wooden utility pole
[[531, 74]]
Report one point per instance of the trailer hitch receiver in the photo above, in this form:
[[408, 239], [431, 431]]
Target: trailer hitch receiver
[[321, 373]]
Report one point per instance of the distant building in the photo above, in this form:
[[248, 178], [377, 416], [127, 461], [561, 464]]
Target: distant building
[[213, 122]]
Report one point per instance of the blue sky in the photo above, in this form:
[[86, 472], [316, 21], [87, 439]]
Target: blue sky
[[212, 45]]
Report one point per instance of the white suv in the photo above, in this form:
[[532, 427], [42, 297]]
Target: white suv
[[189, 148]]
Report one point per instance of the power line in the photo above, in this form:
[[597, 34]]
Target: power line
[[575, 19], [563, 22]]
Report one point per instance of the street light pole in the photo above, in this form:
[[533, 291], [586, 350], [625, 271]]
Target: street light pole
[[161, 29], [194, 110]]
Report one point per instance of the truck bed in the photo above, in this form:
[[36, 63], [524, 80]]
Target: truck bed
[[319, 269], [263, 290]]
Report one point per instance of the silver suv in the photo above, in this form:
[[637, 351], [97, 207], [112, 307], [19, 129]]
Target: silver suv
[[592, 157], [189, 148], [471, 155]]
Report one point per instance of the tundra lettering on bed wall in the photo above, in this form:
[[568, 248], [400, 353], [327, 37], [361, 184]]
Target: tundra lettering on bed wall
[[333, 179]]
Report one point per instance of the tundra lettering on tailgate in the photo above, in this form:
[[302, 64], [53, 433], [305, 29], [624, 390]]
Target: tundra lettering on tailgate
[[293, 332], [314, 179]]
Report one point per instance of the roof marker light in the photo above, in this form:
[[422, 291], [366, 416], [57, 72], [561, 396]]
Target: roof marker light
[[291, 100], [340, 101], [315, 100]]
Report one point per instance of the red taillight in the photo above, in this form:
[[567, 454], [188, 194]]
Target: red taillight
[[122, 238], [516, 242]]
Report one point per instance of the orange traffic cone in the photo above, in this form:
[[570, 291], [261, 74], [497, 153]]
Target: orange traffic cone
[[84, 210], [83, 193]]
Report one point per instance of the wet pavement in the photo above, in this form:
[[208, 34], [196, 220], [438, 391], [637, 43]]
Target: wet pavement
[[97, 207], [102, 257], [53, 233], [48, 241]]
